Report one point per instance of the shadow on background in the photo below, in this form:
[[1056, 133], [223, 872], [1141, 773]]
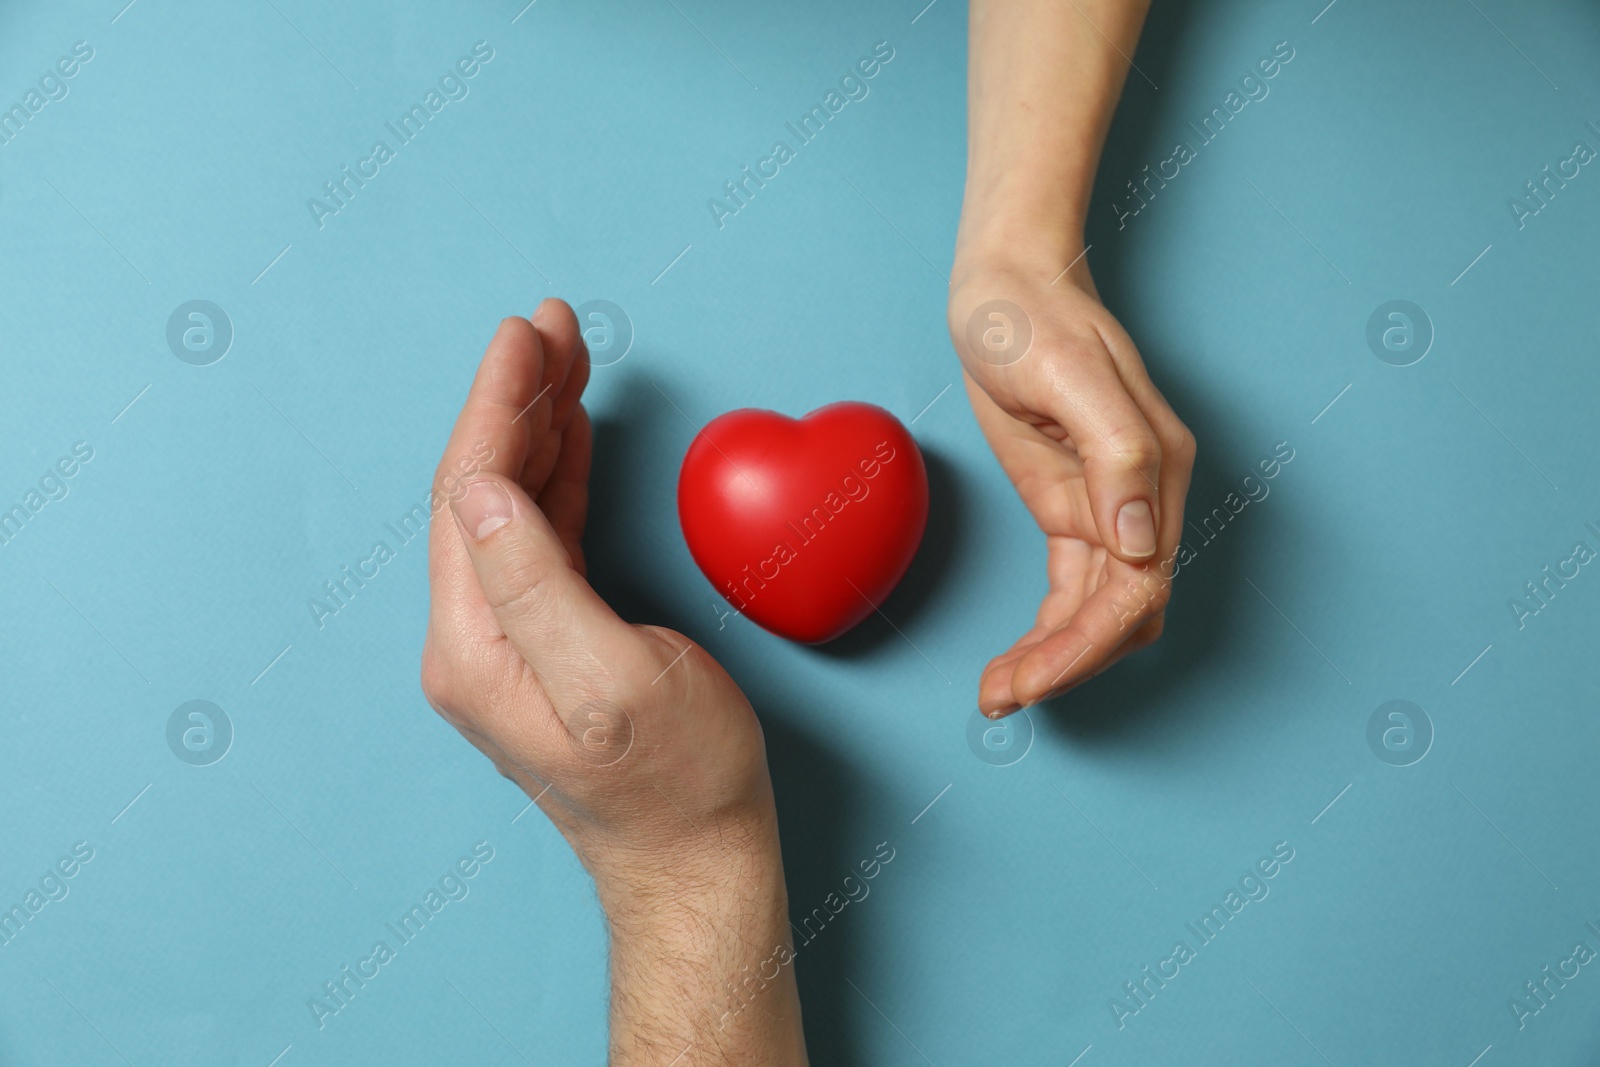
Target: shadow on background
[[1210, 595], [633, 486], [925, 578], [1210, 592]]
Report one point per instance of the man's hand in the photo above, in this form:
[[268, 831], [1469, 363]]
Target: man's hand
[[632, 739]]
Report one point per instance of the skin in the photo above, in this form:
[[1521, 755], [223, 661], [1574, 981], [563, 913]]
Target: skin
[[634, 742], [1076, 423], [631, 739]]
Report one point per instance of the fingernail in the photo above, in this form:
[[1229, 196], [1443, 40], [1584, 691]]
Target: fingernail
[[483, 508], [1136, 529]]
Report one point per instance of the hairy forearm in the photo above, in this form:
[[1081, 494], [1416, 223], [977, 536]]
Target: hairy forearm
[[702, 965], [1043, 80]]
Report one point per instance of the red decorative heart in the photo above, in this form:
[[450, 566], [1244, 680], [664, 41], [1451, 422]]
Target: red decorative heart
[[804, 525]]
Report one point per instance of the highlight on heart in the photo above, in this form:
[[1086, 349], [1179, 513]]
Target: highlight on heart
[[806, 525], [812, 524]]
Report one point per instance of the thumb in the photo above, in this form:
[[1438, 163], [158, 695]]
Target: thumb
[[551, 616]]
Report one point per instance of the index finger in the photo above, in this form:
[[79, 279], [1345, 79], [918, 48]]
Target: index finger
[[1121, 452], [493, 428], [492, 435]]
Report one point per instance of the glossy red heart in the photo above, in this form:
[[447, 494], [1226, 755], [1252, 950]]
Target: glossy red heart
[[804, 525]]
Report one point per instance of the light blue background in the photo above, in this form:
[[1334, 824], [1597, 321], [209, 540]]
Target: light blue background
[[1016, 906]]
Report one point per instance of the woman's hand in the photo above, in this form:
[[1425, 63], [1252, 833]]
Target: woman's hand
[[632, 739], [1095, 452]]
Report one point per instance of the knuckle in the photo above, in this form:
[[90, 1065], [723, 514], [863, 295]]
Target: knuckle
[[1185, 446], [1067, 353], [607, 693], [1083, 340], [520, 584], [439, 564], [1142, 599], [438, 680], [1160, 595], [1134, 446]]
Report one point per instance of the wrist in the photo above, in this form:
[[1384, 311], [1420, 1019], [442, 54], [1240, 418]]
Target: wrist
[[1007, 223], [1005, 243], [651, 897]]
